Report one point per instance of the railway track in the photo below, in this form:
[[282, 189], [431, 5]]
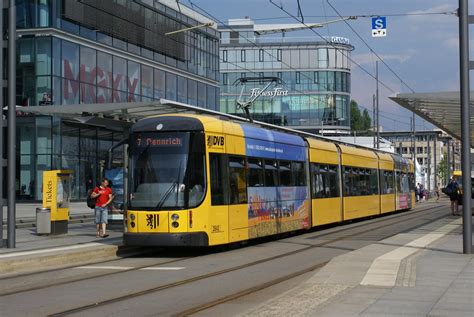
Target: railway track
[[134, 252], [379, 223]]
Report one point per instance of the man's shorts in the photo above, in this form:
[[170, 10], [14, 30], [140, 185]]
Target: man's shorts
[[101, 215]]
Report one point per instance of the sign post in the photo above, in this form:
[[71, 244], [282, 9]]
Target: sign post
[[379, 27]]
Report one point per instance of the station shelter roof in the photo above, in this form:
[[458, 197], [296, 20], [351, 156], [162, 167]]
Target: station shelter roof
[[442, 109], [115, 116]]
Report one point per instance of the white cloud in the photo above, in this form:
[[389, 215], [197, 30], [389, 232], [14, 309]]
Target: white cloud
[[440, 8]]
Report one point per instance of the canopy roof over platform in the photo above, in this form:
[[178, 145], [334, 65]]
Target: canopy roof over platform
[[443, 109], [112, 115]]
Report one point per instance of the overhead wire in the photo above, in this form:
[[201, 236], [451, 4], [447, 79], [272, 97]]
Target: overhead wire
[[334, 46], [209, 15], [360, 66], [368, 16], [371, 49]]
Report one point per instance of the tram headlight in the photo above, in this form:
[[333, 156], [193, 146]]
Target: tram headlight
[[175, 224], [132, 217], [174, 217], [132, 224]]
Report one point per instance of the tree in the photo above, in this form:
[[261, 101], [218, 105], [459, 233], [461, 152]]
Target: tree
[[442, 166], [366, 121], [360, 123]]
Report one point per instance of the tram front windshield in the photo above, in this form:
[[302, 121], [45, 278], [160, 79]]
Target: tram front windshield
[[167, 170]]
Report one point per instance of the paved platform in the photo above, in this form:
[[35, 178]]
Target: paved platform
[[79, 246], [417, 273], [28, 210]]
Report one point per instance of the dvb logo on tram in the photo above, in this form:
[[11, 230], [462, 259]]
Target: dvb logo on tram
[[215, 141]]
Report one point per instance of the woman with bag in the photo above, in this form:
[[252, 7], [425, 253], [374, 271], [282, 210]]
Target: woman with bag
[[452, 190]]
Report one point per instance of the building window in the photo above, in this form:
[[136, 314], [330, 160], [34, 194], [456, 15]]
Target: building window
[[234, 37], [323, 58], [279, 54], [261, 75], [260, 55], [279, 75], [243, 75], [225, 79], [224, 56], [242, 55], [298, 77]]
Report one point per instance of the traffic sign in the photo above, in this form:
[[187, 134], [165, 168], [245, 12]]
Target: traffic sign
[[379, 26]]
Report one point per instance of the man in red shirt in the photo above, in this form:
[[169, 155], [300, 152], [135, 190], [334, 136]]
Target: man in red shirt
[[103, 195]]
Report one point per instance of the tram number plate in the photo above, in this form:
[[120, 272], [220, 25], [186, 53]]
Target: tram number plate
[[152, 221]]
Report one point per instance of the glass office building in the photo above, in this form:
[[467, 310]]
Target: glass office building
[[93, 52], [315, 75]]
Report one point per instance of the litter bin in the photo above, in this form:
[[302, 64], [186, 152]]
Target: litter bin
[[43, 220]]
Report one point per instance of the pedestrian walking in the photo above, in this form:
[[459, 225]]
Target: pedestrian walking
[[417, 192], [103, 195], [452, 190], [422, 193]]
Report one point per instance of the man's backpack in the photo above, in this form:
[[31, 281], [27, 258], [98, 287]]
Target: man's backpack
[[90, 200], [451, 189]]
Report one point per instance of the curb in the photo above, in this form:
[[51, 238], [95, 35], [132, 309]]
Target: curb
[[51, 259], [31, 222]]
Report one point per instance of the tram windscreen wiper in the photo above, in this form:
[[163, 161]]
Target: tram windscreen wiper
[[166, 195]]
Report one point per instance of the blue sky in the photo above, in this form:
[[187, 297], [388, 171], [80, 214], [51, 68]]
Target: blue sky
[[422, 50]]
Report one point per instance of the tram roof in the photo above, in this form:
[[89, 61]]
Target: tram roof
[[443, 109], [120, 116]]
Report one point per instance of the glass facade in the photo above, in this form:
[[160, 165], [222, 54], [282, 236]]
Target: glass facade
[[315, 78], [45, 143], [64, 58]]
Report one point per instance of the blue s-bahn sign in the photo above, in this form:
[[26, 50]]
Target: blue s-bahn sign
[[379, 26]]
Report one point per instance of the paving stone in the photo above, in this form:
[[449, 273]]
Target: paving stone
[[450, 313], [383, 306]]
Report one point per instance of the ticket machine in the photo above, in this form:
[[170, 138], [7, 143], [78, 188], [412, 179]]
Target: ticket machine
[[56, 197]]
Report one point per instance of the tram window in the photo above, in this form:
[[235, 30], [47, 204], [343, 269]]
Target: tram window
[[398, 180], [237, 180], [317, 180], [412, 181], [299, 175], [325, 181], [219, 179], [360, 181], [405, 183], [255, 173], [362, 184], [271, 173], [285, 174], [374, 186], [347, 175], [386, 182], [333, 181], [196, 179]]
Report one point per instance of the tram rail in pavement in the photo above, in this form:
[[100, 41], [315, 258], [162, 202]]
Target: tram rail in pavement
[[75, 248]]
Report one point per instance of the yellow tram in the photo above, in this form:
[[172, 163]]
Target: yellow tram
[[201, 180]]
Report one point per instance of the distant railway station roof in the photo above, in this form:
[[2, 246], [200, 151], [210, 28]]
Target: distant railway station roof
[[443, 109]]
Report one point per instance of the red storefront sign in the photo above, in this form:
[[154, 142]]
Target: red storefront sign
[[97, 77]]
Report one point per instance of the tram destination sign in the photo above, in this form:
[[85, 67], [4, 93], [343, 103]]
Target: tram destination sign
[[153, 141]]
